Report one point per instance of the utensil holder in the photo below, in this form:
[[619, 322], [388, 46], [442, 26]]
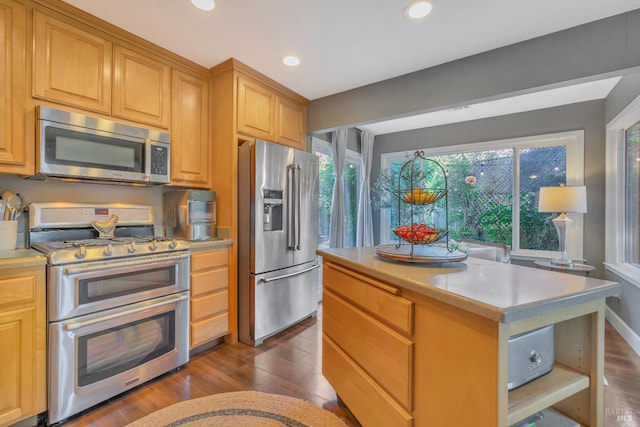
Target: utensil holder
[[8, 235]]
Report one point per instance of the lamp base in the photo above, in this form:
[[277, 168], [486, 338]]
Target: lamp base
[[562, 223]]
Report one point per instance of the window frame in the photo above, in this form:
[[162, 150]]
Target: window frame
[[351, 156], [573, 140], [615, 203]]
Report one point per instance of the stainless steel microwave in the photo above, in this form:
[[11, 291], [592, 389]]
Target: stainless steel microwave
[[72, 145]]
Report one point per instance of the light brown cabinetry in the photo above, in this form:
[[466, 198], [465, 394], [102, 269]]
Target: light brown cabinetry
[[190, 155], [368, 349], [71, 66], [23, 338], [14, 155], [265, 114], [397, 355], [82, 69], [256, 110], [291, 123], [141, 88], [209, 295]]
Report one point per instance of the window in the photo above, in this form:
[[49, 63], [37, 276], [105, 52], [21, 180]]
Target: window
[[482, 180], [351, 178], [622, 241]]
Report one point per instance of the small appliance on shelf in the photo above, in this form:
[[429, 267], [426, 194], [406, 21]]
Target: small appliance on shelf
[[190, 214]]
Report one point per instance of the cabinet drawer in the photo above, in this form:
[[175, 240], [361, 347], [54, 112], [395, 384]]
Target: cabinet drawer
[[382, 353], [359, 392], [367, 293], [209, 259], [209, 281], [18, 290], [208, 329], [206, 306]]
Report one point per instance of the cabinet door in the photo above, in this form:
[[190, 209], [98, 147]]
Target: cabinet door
[[189, 130], [141, 88], [256, 110], [17, 331], [71, 66], [14, 155], [291, 123], [23, 338]]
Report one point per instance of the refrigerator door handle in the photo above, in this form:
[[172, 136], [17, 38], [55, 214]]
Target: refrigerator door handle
[[298, 210], [284, 276], [293, 226], [291, 244]]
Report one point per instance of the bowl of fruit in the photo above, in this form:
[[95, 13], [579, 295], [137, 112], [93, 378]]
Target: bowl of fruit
[[419, 233], [419, 196]]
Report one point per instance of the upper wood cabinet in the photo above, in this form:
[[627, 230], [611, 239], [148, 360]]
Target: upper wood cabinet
[[141, 88], [82, 69], [265, 113], [190, 155], [71, 66], [256, 110], [15, 156], [291, 123]]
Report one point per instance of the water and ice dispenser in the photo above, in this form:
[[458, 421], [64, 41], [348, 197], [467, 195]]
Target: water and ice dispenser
[[271, 210]]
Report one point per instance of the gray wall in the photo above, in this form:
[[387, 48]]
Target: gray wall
[[603, 48], [587, 116]]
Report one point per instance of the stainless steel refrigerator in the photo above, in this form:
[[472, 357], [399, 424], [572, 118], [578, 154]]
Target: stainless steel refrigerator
[[277, 239]]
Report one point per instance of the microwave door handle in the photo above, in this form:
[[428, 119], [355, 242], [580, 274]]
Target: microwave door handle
[[147, 159]]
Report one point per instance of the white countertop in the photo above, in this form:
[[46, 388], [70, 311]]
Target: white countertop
[[498, 291]]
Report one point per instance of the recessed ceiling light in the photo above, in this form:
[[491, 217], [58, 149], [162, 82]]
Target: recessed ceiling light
[[204, 4], [291, 60], [418, 9]]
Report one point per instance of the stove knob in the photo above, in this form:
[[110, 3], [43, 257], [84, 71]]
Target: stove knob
[[81, 252], [132, 248], [535, 357], [173, 244], [153, 245], [108, 251]]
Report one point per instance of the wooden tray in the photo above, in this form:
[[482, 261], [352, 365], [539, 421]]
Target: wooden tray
[[421, 253]]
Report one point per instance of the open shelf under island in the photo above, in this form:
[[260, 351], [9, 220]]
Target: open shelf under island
[[426, 345]]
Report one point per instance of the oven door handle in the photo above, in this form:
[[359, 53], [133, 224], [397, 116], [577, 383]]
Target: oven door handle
[[70, 271], [73, 325]]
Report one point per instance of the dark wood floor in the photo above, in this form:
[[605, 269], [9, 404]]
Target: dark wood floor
[[290, 364]]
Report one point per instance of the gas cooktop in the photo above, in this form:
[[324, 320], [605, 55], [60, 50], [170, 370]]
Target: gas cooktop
[[64, 233]]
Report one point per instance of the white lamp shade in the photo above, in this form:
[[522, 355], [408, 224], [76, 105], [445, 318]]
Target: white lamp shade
[[563, 199]]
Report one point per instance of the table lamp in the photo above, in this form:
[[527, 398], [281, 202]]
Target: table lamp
[[561, 200]]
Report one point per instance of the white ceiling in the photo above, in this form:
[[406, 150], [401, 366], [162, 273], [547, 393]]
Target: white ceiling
[[343, 44]]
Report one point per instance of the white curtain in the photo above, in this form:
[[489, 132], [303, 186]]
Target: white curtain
[[364, 230], [336, 223]]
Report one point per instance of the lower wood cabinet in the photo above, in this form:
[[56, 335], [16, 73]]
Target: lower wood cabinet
[[397, 357], [368, 348], [22, 342], [209, 295]]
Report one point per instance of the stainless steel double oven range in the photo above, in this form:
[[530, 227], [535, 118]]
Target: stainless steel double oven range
[[118, 301]]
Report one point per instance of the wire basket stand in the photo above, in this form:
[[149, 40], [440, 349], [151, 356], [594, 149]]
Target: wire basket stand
[[418, 242]]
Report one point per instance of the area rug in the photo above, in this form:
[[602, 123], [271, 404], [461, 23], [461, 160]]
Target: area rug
[[242, 408]]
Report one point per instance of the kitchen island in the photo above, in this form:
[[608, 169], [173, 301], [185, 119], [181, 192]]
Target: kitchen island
[[427, 344]]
